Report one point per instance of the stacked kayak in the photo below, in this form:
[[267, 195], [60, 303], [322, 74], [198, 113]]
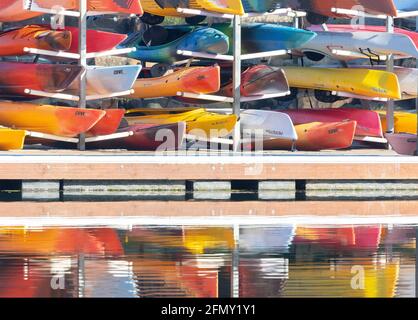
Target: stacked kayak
[[16, 77], [17, 10], [199, 80], [160, 44], [199, 122], [403, 143], [12, 42], [11, 139], [363, 82], [59, 121], [404, 122]]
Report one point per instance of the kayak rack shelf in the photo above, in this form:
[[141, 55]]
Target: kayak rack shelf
[[69, 97], [75, 56], [355, 96], [216, 98]]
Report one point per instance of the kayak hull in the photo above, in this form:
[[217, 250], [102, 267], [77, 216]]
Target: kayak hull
[[13, 42], [149, 137], [60, 121], [199, 122], [11, 139], [404, 122], [15, 77], [317, 136], [368, 122], [201, 39], [364, 82], [108, 80], [109, 124], [198, 80], [403, 143]]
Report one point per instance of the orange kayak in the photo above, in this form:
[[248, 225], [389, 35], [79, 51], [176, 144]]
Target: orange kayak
[[199, 80], [317, 136], [109, 124], [13, 10], [13, 41], [11, 139], [60, 121]]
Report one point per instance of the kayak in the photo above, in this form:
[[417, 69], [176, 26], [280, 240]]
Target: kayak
[[413, 35], [15, 77], [317, 136], [263, 124], [150, 137], [404, 122], [261, 6], [17, 10], [365, 82], [199, 80], [358, 45], [406, 5], [97, 40], [368, 122], [160, 44], [261, 37], [107, 80], [11, 139], [169, 7], [12, 42], [259, 80], [199, 122], [109, 124], [319, 10], [403, 143], [60, 121]]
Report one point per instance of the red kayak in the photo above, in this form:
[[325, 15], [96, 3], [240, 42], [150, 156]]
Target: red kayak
[[146, 137], [368, 122], [109, 124], [15, 77], [413, 35], [259, 80], [97, 41]]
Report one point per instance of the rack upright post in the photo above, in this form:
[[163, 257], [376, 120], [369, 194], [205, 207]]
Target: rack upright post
[[82, 51], [390, 27], [237, 80]]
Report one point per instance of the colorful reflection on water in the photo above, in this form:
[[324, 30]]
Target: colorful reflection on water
[[273, 261]]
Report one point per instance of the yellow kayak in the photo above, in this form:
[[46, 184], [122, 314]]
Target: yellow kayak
[[170, 10], [199, 122], [363, 82], [405, 122], [11, 139]]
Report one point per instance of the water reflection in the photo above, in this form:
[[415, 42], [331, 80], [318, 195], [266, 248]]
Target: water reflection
[[273, 261]]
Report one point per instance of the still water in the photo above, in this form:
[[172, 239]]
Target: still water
[[251, 261]]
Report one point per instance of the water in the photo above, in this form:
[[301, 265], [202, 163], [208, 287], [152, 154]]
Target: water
[[204, 261]]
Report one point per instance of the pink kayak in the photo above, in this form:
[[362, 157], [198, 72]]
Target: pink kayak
[[403, 143], [355, 27], [368, 122]]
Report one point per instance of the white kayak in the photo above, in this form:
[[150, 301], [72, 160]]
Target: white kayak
[[263, 124], [106, 80], [359, 44]]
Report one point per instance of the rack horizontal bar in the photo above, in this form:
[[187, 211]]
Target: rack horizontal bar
[[356, 96], [61, 54], [51, 137], [113, 136], [346, 53], [265, 54], [265, 96], [359, 13], [54, 11], [279, 12], [371, 139], [205, 55], [61, 96], [208, 97], [196, 12]]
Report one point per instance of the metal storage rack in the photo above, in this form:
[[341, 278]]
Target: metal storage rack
[[82, 98]]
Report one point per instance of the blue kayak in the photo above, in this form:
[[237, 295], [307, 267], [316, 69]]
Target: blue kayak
[[406, 5], [160, 44], [260, 37], [260, 5]]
